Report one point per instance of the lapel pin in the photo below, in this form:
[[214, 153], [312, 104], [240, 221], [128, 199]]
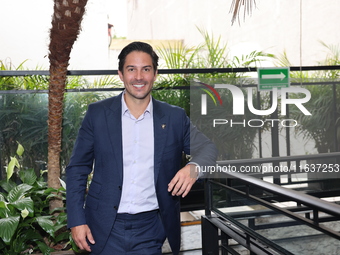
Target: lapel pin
[[163, 126]]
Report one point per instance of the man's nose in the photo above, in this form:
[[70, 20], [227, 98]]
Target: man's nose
[[139, 75]]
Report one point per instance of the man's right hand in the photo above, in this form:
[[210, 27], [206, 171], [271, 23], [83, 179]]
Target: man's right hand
[[80, 235]]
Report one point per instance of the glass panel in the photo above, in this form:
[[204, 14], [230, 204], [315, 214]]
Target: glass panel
[[23, 119]]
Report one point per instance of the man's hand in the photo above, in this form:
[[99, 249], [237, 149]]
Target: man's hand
[[182, 182], [80, 234]]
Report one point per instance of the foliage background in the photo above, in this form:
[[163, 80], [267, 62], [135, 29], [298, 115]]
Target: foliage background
[[23, 116]]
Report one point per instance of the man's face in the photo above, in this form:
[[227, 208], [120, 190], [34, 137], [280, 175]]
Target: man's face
[[138, 75]]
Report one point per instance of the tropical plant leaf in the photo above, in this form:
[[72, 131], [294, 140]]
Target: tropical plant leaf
[[3, 247], [41, 184], [2, 198], [63, 184], [10, 168], [20, 149], [8, 227], [63, 236], [18, 192], [58, 210], [23, 240], [3, 209], [47, 224], [61, 219], [28, 176], [55, 195], [7, 185], [50, 190], [44, 248], [24, 203]]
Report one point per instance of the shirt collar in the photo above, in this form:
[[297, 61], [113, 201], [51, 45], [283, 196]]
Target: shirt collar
[[125, 109]]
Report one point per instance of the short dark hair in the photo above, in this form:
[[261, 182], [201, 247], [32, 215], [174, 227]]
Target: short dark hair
[[137, 46]]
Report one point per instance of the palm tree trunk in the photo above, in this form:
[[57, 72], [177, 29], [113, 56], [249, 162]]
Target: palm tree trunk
[[66, 21]]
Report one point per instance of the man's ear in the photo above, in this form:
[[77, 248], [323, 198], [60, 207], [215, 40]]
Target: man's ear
[[120, 75], [155, 76]]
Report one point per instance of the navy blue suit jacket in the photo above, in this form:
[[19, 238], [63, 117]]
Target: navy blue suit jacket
[[99, 147]]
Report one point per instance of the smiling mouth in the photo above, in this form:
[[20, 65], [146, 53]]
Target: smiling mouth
[[139, 86]]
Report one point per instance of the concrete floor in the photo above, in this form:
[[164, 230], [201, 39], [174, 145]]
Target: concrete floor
[[193, 252]]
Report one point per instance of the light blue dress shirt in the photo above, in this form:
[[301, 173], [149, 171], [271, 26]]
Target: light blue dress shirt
[[138, 190]]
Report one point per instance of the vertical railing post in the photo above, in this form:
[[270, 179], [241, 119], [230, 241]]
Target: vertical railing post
[[209, 237], [207, 197], [336, 145]]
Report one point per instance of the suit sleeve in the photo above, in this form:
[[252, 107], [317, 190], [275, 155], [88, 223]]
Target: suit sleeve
[[77, 172], [202, 150]]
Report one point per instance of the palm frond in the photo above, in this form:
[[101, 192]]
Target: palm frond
[[238, 4]]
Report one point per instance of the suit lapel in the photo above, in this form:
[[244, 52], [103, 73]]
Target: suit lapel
[[114, 122], [160, 135]]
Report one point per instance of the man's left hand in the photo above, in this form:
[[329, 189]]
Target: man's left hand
[[182, 182]]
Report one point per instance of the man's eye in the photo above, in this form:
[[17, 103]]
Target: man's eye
[[147, 69], [130, 69]]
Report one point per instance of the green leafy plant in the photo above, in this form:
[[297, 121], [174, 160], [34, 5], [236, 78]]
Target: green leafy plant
[[324, 122], [40, 82], [21, 82], [233, 143], [26, 225], [23, 116]]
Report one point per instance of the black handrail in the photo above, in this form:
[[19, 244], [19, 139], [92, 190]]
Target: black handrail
[[166, 71], [308, 200], [278, 159], [220, 220], [305, 199]]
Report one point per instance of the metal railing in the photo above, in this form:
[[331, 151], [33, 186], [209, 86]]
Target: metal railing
[[274, 132], [165, 71], [233, 189], [219, 227], [275, 145]]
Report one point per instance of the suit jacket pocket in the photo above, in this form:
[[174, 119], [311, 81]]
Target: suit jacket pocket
[[91, 202], [95, 187], [93, 195]]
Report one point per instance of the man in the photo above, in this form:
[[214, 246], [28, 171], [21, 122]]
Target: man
[[134, 145]]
